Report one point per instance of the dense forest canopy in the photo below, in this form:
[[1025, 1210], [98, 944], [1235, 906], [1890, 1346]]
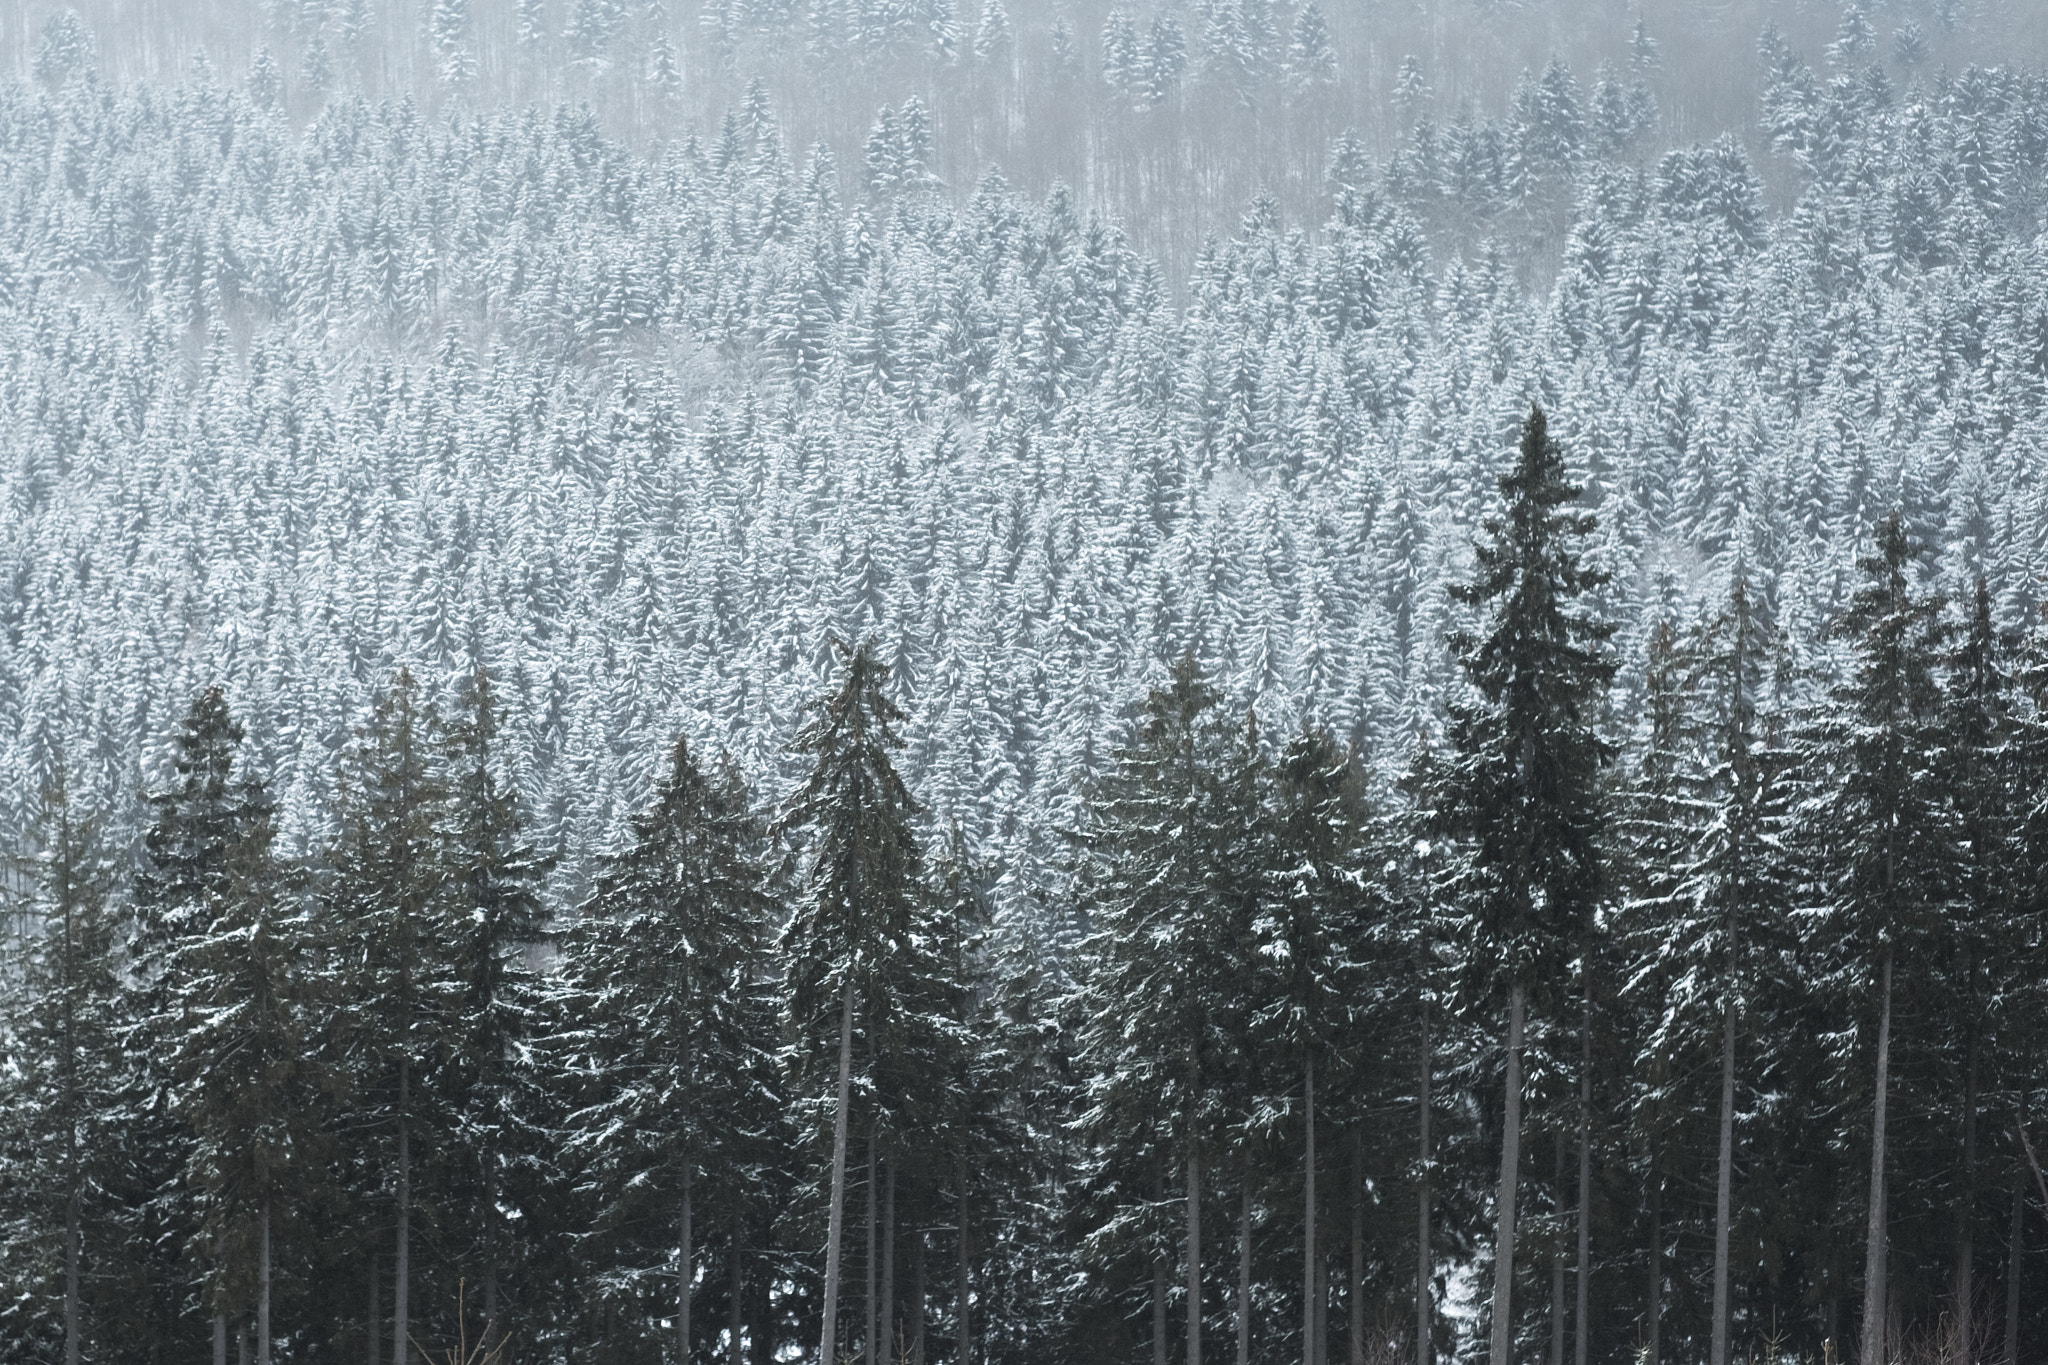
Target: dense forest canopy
[[1036, 684]]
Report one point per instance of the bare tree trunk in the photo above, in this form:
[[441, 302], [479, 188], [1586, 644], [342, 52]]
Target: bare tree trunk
[[1557, 1256], [242, 1342], [401, 1325], [966, 1356], [735, 1287], [1308, 1214], [1510, 1163], [889, 1264], [917, 1299], [1354, 1318], [1584, 1273], [1425, 1311], [1724, 1186], [828, 1346], [1158, 1312], [1194, 1255], [868, 1352], [686, 1264], [220, 1339], [1874, 1241], [1966, 1244], [1652, 1352], [71, 1263], [2013, 1247], [376, 1320], [263, 1290], [1244, 1267]]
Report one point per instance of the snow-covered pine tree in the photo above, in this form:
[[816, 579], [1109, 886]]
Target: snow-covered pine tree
[[670, 1025], [862, 879], [391, 902], [1522, 787], [1878, 835]]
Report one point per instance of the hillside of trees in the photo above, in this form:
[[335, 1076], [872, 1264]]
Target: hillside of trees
[[763, 742]]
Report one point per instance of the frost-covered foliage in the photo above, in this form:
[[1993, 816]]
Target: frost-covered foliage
[[292, 407]]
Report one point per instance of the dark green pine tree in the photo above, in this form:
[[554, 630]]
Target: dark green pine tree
[[496, 880], [238, 1026], [1522, 786], [61, 1130], [670, 1024], [1172, 882], [1878, 834], [1313, 924], [394, 916], [862, 880], [211, 832]]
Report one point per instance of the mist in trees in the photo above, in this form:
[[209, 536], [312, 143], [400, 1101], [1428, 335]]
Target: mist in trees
[[997, 683]]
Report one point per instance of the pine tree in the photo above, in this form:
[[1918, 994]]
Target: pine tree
[[862, 875], [665, 988], [1522, 788], [391, 895], [1878, 832]]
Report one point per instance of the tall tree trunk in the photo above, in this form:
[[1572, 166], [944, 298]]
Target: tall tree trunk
[[686, 1266], [868, 1352], [1874, 1312], [1158, 1272], [71, 1260], [401, 1304], [828, 1347], [1557, 1256], [888, 1299], [242, 1342], [71, 1112], [220, 1339], [1584, 1273], [1194, 1255], [1653, 1343], [1244, 1266], [1966, 1243], [917, 1299], [263, 1289], [1425, 1311], [2013, 1247], [374, 1332], [1510, 1163], [966, 1355], [1354, 1317], [735, 1289], [1724, 1182], [1308, 1214]]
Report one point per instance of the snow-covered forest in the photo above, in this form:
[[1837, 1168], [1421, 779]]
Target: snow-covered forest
[[904, 680]]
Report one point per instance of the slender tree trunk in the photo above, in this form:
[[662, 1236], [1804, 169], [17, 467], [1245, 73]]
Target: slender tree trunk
[[735, 1289], [1652, 1352], [242, 1342], [1584, 1273], [1354, 1318], [401, 1325], [917, 1299], [2013, 1247], [1874, 1242], [1966, 1243], [1425, 1311], [71, 1111], [828, 1347], [1158, 1312], [889, 1264], [71, 1262], [1724, 1186], [1244, 1267], [263, 1290], [686, 1266], [1510, 1162], [1557, 1256], [1194, 1255], [220, 1339], [867, 1344], [374, 1333], [966, 1276], [1308, 1214]]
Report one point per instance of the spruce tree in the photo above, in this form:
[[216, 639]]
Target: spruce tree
[[1522, 787], [862, 877], [668, 1019]]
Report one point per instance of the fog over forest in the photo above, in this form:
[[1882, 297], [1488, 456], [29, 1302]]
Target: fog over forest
[[995, 682]]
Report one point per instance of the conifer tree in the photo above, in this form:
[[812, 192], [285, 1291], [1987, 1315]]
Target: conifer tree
[[861, 882], [669, 1021], [1522, 786]]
